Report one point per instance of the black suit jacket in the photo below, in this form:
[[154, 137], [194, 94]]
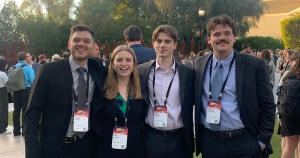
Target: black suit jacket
[[49, 108], [186, 78], [254, 95], [105, 116]]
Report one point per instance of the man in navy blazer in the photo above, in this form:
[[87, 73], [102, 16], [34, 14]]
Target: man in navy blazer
[[244, 125], [134, 36]]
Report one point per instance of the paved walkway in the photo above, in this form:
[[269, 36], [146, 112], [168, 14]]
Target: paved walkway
[[10, 146]]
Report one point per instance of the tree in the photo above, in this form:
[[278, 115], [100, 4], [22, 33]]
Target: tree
[[9, 22], [96, 14], [259, 43], [291, 32], [59, 10]]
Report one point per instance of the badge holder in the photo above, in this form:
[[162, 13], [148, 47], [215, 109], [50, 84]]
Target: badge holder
[[120, 134], [160, 116]]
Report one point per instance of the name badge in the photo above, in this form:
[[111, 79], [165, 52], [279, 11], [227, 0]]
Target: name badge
[[213, 112], [160, 116], [119, 138], [81, 120]]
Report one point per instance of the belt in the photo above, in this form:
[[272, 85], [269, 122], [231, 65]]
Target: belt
[[229, 134], [164, 133], [71, 139]]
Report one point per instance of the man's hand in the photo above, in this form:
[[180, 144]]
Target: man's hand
[[262, 148]]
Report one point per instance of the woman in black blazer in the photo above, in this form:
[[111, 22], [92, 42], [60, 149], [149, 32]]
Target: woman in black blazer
[[289, 108], [123, 101]]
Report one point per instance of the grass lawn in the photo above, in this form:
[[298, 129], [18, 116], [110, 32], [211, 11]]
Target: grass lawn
[[276, 139]]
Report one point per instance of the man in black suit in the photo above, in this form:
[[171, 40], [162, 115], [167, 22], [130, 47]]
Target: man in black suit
[[236, 120], [134, 36], [167, 87], [51, 129]]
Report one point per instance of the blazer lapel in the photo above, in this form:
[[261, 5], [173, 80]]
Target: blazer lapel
[[144, 89], [68, 78], [98, 87], [182, 79], [239, 77], [202, 69]]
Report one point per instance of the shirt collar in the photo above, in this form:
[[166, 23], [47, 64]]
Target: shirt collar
[[225, 62], [157, 65], [74, 65]]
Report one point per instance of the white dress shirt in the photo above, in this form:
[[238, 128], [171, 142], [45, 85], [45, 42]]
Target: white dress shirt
[[162, 80]]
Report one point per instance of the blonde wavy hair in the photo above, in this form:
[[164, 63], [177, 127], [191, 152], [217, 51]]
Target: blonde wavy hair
[[111, 84]]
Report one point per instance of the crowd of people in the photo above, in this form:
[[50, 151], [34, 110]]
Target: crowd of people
[[141, 102]]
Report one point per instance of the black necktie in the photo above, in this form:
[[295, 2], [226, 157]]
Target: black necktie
[[81, 89]]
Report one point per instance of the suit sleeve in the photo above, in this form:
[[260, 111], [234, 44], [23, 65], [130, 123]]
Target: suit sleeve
[[266, 105], [33, 114]]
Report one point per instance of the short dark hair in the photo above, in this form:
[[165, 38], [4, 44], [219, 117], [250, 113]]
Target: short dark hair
[[22, 56], [133, 33], [222, 19], [265, 54], [167, 29], [33, 57], [66, 55], [81, 27], [245, 45], [3, 63]]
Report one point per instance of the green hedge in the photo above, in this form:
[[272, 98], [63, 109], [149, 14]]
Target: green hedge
[[259, 43], [291, 32]]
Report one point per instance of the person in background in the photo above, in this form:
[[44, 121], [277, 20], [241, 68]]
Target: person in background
[[35, 66], [258, 53], [123, 108], [55, 57], [286, 64], [280, 60], [42, 59], [193, 56], [21, 97], [266, 56], [187, 61], [3, 98], [66, 55], [133, 36], [290, 129], [96, 51]]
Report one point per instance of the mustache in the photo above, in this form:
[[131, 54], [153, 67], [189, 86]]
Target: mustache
[[222, 40]]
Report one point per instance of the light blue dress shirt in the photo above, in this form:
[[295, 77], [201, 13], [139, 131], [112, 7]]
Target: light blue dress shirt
[[230, 114]]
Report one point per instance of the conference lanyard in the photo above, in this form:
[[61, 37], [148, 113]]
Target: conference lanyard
[[224, 83], [87, 92], [126, 112], [153, 82]]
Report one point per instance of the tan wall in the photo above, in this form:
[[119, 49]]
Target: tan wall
[[269, 25]]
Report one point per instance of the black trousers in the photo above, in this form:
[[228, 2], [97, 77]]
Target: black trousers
[[213, 146], [82, 148], [3, 109], [160, 146], [20, 103]]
